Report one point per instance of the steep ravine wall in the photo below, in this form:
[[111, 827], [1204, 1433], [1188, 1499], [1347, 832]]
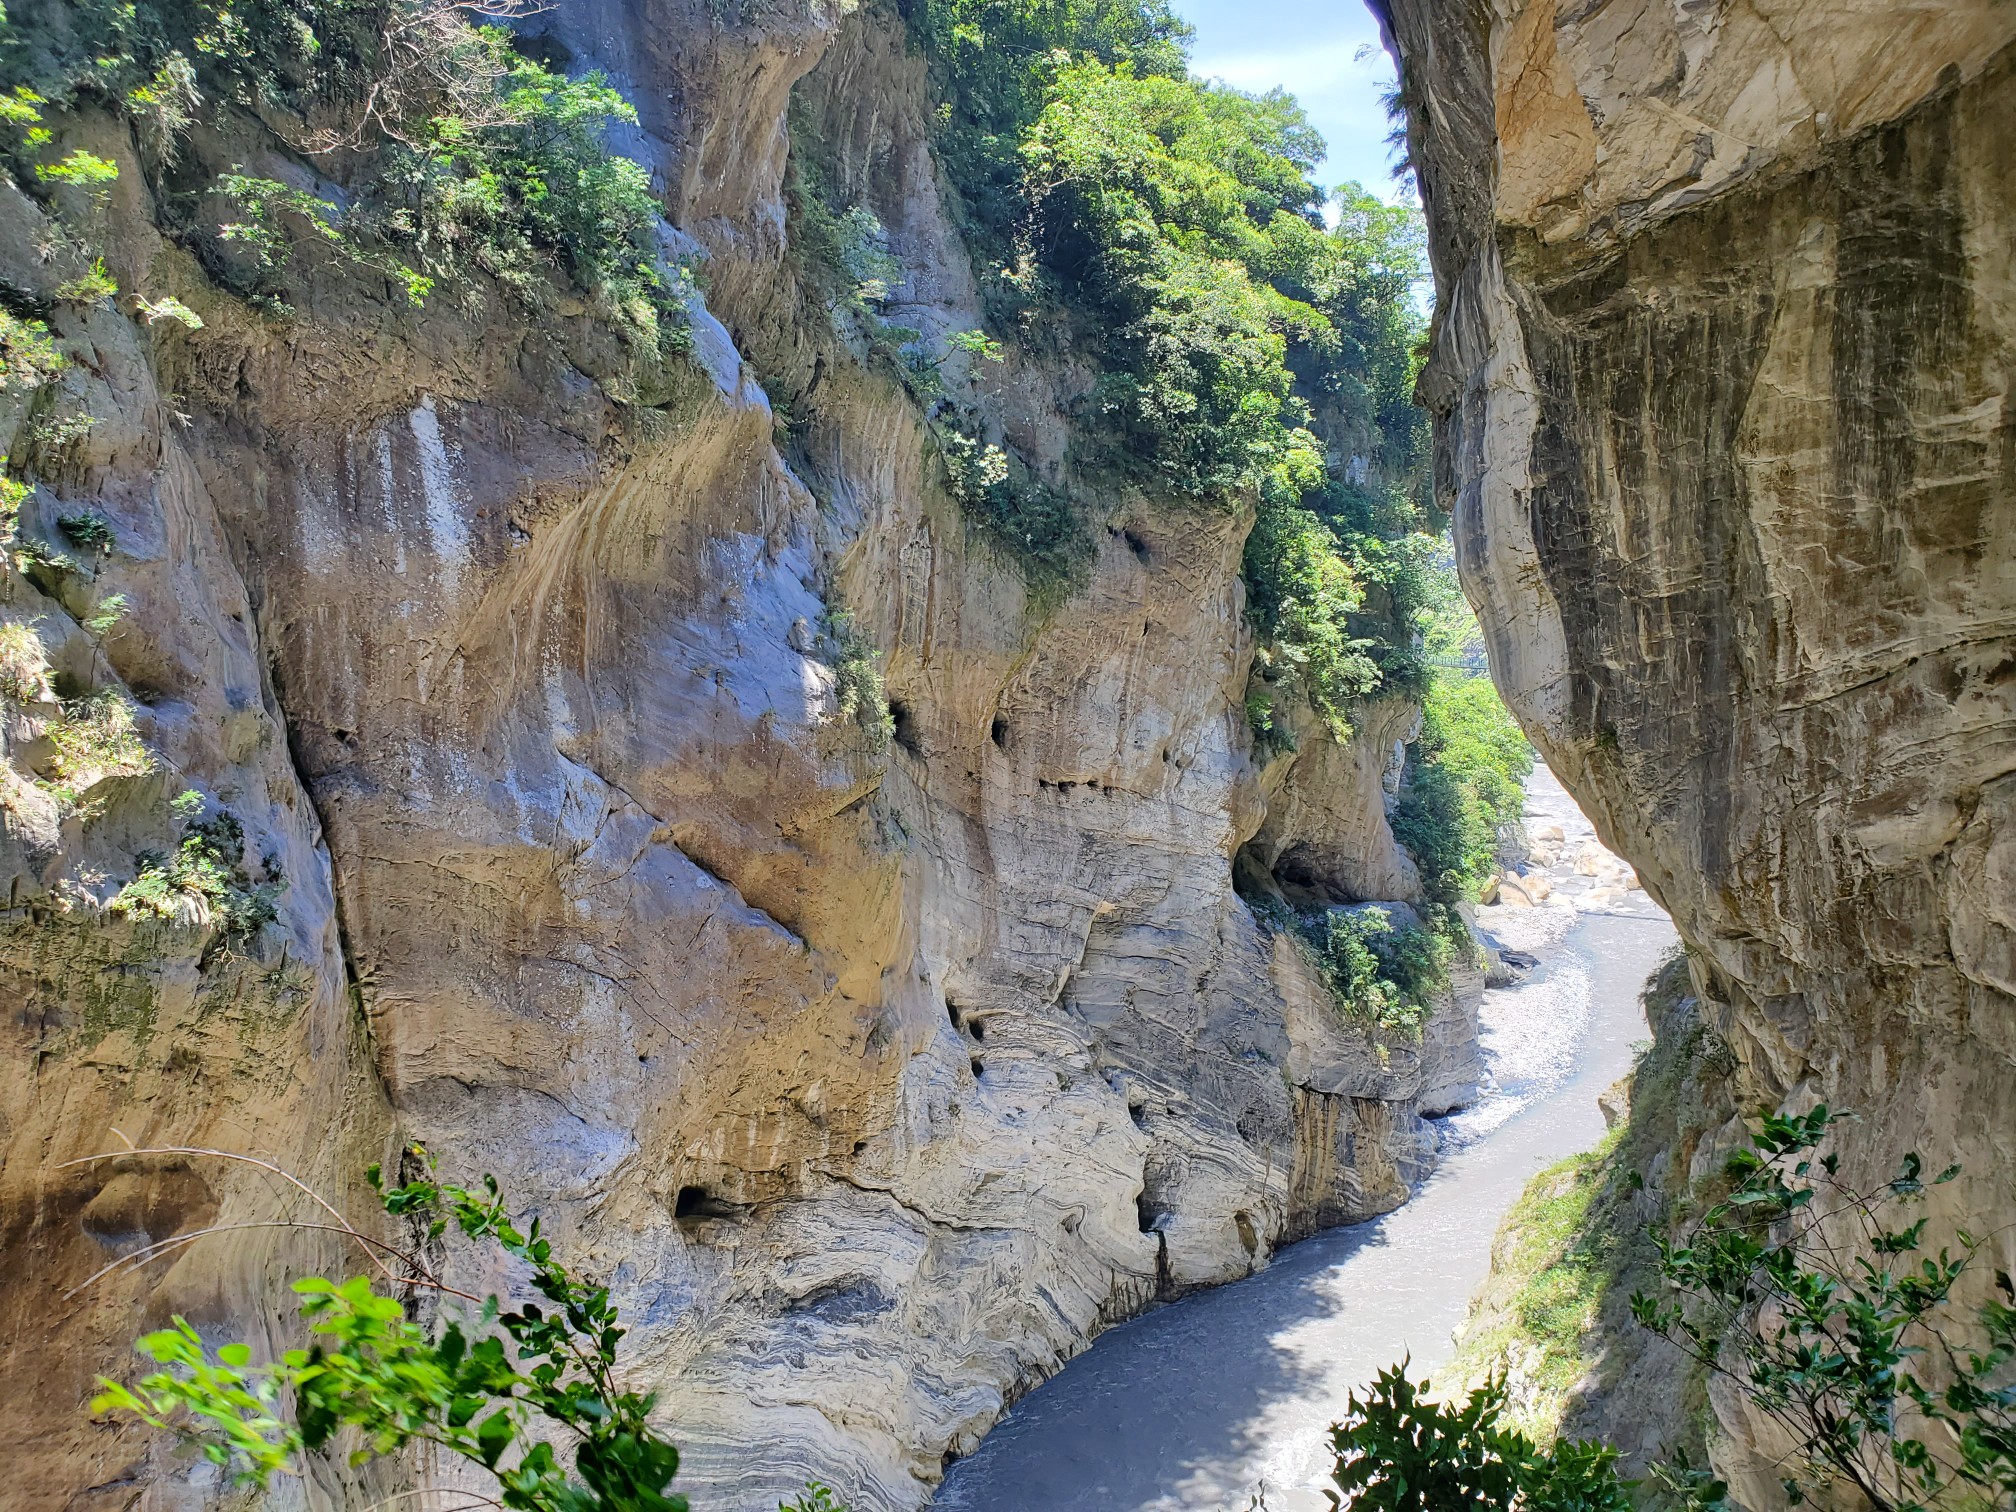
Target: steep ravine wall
[[1721, 382], [877, 1082]]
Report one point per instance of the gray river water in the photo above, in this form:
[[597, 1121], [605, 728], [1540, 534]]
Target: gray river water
[[1199, 1404]]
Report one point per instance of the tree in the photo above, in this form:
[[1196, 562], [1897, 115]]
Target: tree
[[1398, 1451]]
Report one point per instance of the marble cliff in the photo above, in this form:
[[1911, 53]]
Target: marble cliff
[[1722, 387], [877, 1082]]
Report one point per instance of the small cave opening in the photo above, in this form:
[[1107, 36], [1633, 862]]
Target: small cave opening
[[1138, 1112], [1146, 1215], [906, 733], [1136, 545], [979, 1070], [977, 1028], [998, 732], [695, 1204]]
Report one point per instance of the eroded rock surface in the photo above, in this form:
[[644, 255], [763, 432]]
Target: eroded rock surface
[[877, 1082], [1721, 383]]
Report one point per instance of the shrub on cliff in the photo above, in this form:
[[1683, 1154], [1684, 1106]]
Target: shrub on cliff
[[1384, 973], [458, 154], [1827, 1308], [1400, 1451], [204, 879]]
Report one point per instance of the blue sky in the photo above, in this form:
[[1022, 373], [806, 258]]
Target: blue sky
[[1310, 48]]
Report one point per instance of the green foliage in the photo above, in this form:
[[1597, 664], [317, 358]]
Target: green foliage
[[80, 169], [1399, 1451], [89, 287], [1465, 784], [861, 247], [87, 531], [1830, 1313], [858, 692], [1011, 505], [273, 213], [1176, 221], [109, 612], [1451, 638], [991, 62], [484, 1388], [167, 307], [1153, 200], [28, 355], [204, 880], [95, 739], [1378, 973], [24, 670], [976, 344], [1302, 593], [1383, 974], [470, 157]]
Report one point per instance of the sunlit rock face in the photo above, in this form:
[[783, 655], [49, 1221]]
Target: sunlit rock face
[[1721, 384], [876, 1081]]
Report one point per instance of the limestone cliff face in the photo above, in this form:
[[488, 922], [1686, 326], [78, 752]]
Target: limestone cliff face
[[1722, 390], [878, 1083]]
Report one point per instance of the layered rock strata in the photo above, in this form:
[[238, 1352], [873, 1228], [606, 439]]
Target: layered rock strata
[[876, 1082], [1721, 379]]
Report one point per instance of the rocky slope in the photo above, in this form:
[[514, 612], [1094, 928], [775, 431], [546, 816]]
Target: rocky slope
[[878, 1082], [1721, 381]]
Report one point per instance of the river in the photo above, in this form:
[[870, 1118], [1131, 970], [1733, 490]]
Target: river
[[1197, 1405]]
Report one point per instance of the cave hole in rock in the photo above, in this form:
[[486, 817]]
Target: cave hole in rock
[[1138, 1111], [1297, 877], [906, 733], [998, 732], [696, 1203], [979, 1070], [1146, 1215], [1136, 545]]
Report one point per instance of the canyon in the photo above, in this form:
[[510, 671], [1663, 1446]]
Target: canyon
[[878, 1078]]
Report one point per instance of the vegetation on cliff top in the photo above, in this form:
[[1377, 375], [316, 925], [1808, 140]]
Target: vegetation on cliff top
[[440, 154], [1244, 348]]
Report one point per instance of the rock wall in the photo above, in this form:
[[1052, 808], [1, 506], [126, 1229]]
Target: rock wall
[[877, 1082], [1721, 380]]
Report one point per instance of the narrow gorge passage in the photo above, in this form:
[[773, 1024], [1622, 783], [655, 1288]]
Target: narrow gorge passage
[[1202, 1403]]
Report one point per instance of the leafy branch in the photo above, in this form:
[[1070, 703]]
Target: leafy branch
[[494, 1387], [1823, 1307]]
